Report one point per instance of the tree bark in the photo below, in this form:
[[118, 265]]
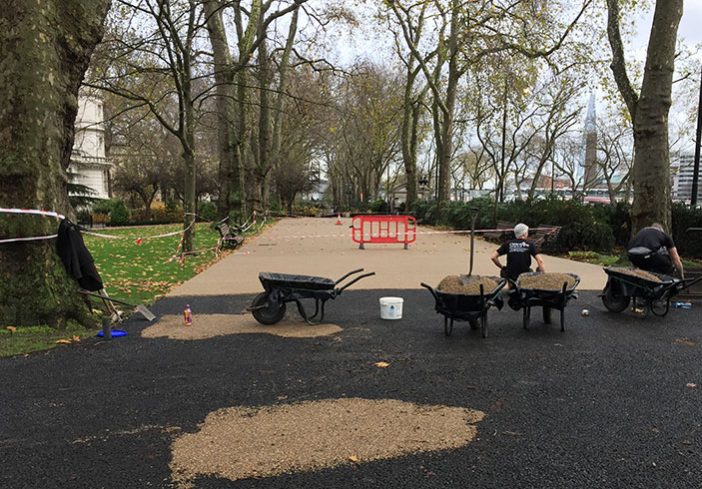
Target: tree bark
[[45, 49], [649, 111], [224, 77]]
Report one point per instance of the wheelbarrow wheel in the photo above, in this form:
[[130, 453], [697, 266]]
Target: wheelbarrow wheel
[[547, 315], [614, 300], [484, 324], [270, 313], [525, 317]]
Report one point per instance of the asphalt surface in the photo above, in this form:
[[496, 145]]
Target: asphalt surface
[[605, 404]]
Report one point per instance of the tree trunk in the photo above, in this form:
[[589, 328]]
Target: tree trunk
[[649, 111], [45, 48], [226, 134], [264, 127]]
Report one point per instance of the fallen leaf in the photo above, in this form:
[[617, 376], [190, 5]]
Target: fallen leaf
[[382, 364], [75, 338], [63, 341], [353, 458], [691, 385], [11, 329]]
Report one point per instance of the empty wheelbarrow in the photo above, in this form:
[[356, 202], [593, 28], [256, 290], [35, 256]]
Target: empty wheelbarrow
[[280, 288]]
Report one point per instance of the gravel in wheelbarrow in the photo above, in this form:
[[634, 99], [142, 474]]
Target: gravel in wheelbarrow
[[548, 290], [467, 298], [651, 292]]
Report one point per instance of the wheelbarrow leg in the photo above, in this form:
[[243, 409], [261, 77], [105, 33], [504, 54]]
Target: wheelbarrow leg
[[316, 309], [484, 324], [448, 326], [525, 317], [563, 320]]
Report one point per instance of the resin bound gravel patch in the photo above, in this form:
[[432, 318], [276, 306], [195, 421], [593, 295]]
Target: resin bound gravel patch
[[610, 403]]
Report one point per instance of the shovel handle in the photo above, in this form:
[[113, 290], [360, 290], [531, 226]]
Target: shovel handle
[[116, 301]]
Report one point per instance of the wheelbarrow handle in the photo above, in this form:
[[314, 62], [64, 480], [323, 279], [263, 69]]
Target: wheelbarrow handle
[[430, 289], [341, 289], [689, 283], [347, 275]]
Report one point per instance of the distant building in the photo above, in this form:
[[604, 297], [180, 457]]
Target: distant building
[[590, 169], [89, 166], [681, 172]]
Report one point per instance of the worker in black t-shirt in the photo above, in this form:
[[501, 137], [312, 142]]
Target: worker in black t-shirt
[[519, 252], [654, 251]]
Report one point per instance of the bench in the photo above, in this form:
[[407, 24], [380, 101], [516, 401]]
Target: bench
[[504, 230], [228, 237], [545, 235]]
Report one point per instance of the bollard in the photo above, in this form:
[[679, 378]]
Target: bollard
[[106, 328]]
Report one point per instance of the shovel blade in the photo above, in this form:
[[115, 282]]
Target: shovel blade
[[141, 309]]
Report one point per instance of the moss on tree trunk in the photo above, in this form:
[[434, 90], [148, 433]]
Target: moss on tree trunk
[[45, 49]]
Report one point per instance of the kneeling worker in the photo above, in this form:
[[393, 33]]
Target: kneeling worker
[[654, 251], [519, 252]]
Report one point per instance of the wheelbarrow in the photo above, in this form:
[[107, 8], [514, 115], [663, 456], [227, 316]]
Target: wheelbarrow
[[463, 307], [525, 298], [280, 288], [652, 295]]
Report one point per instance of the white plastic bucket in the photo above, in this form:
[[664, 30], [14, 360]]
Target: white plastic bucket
[[391, 307]]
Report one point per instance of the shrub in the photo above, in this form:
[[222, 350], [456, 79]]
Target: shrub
[[207, 211], [104, 206], [684, 217], [119, 216], [379, 207]]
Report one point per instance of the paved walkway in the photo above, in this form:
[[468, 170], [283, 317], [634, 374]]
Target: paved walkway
[[312, 246]]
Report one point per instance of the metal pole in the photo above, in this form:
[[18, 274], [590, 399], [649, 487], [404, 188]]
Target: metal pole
[[696, 171], [472, 239]]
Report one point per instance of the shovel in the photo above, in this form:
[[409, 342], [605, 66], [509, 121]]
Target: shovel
[[140, 308]]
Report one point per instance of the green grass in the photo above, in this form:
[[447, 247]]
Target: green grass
[[28, 339], [142, 273], [618, 260], [135, 273], [599, 259]]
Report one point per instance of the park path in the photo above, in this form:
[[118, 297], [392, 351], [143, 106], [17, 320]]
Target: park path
[[315, 246]]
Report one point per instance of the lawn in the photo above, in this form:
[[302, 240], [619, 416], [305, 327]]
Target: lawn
[[618, 260], [141, 273], [136, 273]]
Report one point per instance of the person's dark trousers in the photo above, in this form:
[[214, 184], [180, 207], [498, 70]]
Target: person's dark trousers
[[654, 262]]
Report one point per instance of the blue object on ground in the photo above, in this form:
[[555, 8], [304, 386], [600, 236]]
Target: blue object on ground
[[682, 305], [116, 333]]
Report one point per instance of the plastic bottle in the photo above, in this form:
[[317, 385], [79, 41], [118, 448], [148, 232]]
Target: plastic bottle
[[188, 316], [682, 305]]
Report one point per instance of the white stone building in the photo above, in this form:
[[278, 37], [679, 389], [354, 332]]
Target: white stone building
[[682, 171], [89, 166]]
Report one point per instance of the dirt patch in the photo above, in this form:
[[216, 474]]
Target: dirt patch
[[212, 325], [545, 281], [239, 443], [684, 342], [465, 285]]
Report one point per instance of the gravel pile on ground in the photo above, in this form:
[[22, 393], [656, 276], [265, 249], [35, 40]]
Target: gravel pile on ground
[[635, 272], [465, 285], [211, 325], [545, 281], [240, 442]]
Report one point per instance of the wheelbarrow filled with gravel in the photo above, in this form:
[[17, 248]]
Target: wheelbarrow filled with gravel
[[280, 288], [547, 290], [467, 298], [651, 291]]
